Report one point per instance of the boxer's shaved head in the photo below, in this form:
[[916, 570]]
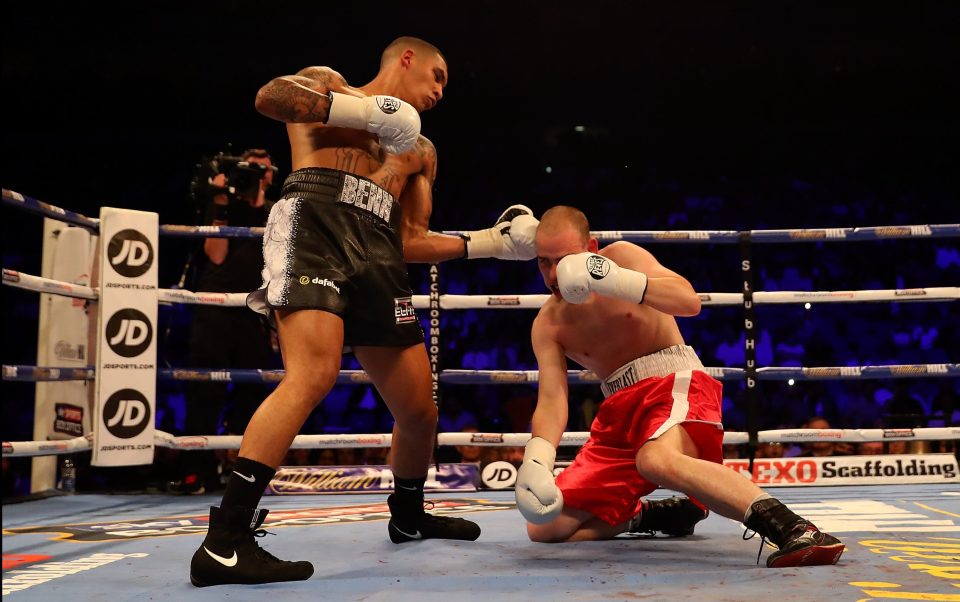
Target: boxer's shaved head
[[397, 46], [562, 217]]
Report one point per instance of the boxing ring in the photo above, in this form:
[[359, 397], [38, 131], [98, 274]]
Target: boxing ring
[[902, 539]]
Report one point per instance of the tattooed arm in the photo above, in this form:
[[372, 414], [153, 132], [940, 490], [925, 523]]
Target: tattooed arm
[[300, 98], [420, 245]]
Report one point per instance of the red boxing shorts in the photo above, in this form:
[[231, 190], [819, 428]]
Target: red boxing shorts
[[603, 478]]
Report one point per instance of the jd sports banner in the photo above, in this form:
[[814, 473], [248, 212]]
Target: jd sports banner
[[127, 348]]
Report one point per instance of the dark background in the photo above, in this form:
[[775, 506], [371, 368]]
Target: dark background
[[700, 115], [97, 112]]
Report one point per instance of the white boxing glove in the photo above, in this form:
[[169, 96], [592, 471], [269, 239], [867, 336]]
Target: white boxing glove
[[395, 122], [511, 237], [538, 497], [579, 275]]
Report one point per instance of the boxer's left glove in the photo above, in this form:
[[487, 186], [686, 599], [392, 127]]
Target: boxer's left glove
[[395, 122], [511, 237], [579, 275], [538, 497]]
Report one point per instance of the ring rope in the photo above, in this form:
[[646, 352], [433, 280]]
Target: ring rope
[[33, 205], [212, 231], [46, 285], [21, 373], [937, 293], [577, 438]]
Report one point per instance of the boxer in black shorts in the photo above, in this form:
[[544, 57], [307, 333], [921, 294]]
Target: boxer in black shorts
[[333, 245], [356, 207]]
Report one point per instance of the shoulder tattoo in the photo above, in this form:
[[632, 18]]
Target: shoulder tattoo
[[428, 157], [324, 76]]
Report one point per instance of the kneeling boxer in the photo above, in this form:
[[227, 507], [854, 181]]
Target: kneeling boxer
[[612, 311]]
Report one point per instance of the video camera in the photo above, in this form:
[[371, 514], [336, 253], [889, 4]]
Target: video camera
[[243, 177]]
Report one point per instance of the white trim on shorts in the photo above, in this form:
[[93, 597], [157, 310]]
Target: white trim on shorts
[[681, 402], [661, 363], [279, 240]]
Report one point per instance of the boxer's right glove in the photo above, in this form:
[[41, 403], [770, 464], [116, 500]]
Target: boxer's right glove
[[511, 237], [538, 497], [395, 122], [579, 274]]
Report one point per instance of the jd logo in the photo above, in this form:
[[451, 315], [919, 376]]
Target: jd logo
[[126, 413], [130, 253], [499, 475], [129, 332]]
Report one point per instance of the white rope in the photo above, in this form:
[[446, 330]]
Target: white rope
[[483, 301], [46, 448], [166, 295], [846, 435], [938, 293], [163, 439], [46, 285]]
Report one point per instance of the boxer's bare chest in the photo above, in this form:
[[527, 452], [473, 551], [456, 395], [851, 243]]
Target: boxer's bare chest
[[605, 334], [354, 152]]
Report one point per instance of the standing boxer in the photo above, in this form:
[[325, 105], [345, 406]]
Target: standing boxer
[[612, 311], [356, 207]]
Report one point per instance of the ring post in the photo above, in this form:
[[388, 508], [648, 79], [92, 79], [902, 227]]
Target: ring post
[[750, 346], [60, 408]]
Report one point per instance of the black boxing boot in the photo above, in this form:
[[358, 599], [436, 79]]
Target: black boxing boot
[[675, 516], [230, 553], [799, 541], [409, 521]]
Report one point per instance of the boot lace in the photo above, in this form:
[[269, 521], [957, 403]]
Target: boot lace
[[763, 540], [260, 552]]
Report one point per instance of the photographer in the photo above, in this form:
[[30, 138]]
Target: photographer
[[231, 192]]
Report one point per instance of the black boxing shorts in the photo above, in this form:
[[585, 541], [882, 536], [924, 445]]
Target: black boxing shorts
[[331, 243]]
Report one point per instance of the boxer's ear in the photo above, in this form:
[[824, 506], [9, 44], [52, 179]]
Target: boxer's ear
[[593, 245]]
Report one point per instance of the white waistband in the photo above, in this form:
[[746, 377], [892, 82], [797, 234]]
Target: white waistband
[[663, 362]]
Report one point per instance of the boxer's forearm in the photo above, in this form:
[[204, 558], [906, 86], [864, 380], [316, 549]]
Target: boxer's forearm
[[672, 296], [549, 419], [432, 247], [293, 99]]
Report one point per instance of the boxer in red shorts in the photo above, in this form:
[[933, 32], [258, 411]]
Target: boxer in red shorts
[[613, 311]]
